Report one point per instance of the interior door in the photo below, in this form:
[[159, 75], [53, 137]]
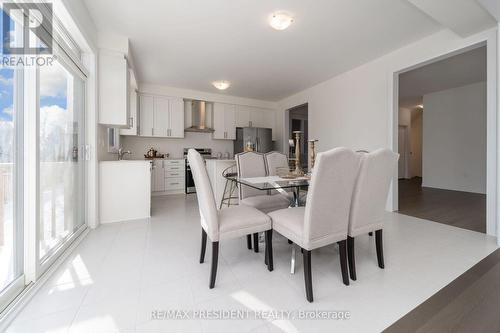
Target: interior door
[[146, 107], [161, 115], [177, 118]]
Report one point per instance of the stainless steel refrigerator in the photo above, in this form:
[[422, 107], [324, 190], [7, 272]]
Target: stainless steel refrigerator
[[261, 139]]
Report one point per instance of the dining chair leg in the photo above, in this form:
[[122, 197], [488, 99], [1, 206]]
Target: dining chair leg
[[307, 275], [350, 257], [256, 243], [203, 245], [380, 249], [343, 261], [269, 249], [215, 260], [249, 242]]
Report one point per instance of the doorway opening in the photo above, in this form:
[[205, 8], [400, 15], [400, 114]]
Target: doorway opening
[[442, 140], [298, 120]]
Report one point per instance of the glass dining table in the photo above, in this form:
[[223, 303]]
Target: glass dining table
[[284, 186]]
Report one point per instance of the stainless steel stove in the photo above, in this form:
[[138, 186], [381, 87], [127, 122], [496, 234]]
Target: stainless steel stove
[[206, 153]]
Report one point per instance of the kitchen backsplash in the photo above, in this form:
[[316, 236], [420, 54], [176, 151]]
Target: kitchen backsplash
[[140, 145]]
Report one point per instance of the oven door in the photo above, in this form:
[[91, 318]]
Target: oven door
[[189, 188]]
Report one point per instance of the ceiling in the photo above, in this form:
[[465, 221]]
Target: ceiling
[[456, 71], [189, 44]]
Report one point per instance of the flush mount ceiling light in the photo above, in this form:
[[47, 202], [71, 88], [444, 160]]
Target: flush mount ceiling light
[[221, 84], [280, 20]]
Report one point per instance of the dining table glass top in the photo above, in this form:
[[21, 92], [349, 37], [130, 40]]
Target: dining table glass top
[[271, 182]]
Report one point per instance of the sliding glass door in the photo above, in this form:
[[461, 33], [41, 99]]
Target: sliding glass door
[[11, 173], [61, 162]]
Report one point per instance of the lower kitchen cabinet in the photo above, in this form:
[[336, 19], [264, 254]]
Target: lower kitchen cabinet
[[168, 176]]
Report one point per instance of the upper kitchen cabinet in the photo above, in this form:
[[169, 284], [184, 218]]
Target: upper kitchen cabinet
[[161, 116], [224, 121], [243, 116], [176, 119], [133, 107], [270, 122], [146, 115], [114, 89]]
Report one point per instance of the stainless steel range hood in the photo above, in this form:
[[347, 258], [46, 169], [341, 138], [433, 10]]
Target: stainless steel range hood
[[199, 117]]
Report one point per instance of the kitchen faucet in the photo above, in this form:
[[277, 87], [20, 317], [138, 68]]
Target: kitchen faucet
[[122, 153]]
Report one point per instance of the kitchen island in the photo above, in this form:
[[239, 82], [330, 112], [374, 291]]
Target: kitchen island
[[124, 190]]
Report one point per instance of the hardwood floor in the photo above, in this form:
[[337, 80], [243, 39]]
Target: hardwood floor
[[468, 304], [459, 209]]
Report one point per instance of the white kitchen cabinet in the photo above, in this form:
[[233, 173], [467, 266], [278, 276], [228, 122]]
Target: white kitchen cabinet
[[224, 121], [229, 120], [168, 176], [176, 121], [161, 116], [270, 122], [114, 89], [146, 115], [242, 116], [257, 118], [158, 176], [134, 115], [124, 190]]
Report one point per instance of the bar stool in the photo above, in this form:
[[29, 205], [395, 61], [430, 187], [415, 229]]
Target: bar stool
[[229, 188]]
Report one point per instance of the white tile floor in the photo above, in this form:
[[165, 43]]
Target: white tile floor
[[122, 272]]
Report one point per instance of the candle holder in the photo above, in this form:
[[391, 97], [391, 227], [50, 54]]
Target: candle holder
[[312, 155], [298, 163]]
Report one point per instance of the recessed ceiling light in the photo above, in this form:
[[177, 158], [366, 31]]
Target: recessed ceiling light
[[280, 20], [221, 84]]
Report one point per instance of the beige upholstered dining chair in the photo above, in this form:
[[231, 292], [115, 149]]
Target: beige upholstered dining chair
[[227, 223], [369, 200], [324, 220], [275, 160], [252, 164]]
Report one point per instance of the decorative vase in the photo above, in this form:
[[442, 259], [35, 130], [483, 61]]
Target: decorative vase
[[298, 163], [312, 155]]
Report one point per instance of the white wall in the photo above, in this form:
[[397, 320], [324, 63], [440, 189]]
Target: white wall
[[356, 109], [353, 109], [454, 139], [139, 145]]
